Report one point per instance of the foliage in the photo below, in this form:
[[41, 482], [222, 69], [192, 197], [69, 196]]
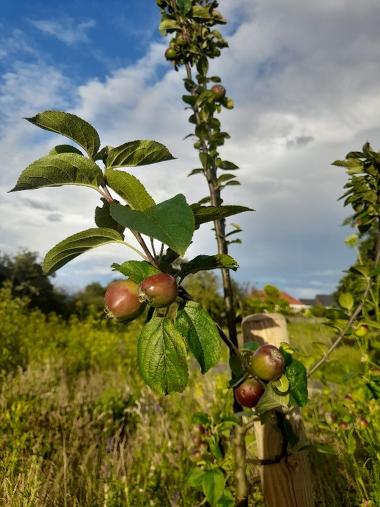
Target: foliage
[[171, 222], [204, 287], [267, 300], [24, 275], [90, 299], [362, 194], [173, 335], [358, 315], [365, 246], [194, 41], [78, 426]]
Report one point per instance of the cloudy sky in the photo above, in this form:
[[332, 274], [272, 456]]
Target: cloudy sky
[[305, 80]]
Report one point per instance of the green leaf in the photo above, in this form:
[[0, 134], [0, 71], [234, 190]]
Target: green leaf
[[355, 154], [228, 103], [64, 148], [362, 269], [237, 370], [206, 262], [103, 217], [374, 272], [372, 323], [202, 66], [162, 356], [71, 126], [324, 449], [201, 13], [204, 200], [281, 385], [251, 346], [213, 484], [77, 244], [214, 447], [130, 189], [226, 165], [201, 334], [270, 400], [205, 214], [228, 421], [57, 170], [167, 25], [168, 259], [227, 500], [351, 240], [287, 352], [184, 6], [189, 99], [196, 171], [354, 164], [297, 376], [135, 270], [171, 222], [194, 478], [225, 177], [137, 153], [346, 300], [231, 183], [200, 418]]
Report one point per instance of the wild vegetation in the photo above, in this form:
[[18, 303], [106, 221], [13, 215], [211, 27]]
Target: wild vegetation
[[80, 427]]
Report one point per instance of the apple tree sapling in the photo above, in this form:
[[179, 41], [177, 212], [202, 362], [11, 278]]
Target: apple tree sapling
[[176, 326]]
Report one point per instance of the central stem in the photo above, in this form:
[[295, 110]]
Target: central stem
[[220, 231], [238, 434]]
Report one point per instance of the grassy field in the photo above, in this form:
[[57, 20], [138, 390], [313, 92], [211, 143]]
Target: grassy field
[[79, 428]]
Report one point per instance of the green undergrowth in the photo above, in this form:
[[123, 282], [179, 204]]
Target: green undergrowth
[[79, 428]]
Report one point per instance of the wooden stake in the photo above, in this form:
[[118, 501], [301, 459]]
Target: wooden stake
[[289, 482]]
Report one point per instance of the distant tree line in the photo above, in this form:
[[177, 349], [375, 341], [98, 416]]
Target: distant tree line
[[23, 273]]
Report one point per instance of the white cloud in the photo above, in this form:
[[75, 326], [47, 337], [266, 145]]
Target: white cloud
[[67, 30], [14, 44], [304, 77]]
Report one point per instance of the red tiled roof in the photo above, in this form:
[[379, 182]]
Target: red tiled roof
[[260, 294], [290, 299]]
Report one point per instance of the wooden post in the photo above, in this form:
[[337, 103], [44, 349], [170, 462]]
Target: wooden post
[[289, 482]]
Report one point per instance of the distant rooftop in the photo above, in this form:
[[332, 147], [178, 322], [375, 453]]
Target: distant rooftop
[[307, 301], [325, 299], [290, 299]]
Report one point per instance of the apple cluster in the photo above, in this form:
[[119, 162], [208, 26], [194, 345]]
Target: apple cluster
[[266, 364], [125, 299]]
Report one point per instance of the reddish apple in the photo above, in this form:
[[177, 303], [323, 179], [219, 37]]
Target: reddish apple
[[219, 91], [122, 300], [158, 290], [267, 363], [249, 392]]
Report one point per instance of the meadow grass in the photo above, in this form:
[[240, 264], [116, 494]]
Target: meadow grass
[[79, 428]]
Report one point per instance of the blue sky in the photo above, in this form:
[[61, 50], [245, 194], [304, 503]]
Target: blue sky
[[85, 39], [304, 77]]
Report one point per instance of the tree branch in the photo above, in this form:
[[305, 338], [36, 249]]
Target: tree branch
[[342, 333], [149, 257]]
